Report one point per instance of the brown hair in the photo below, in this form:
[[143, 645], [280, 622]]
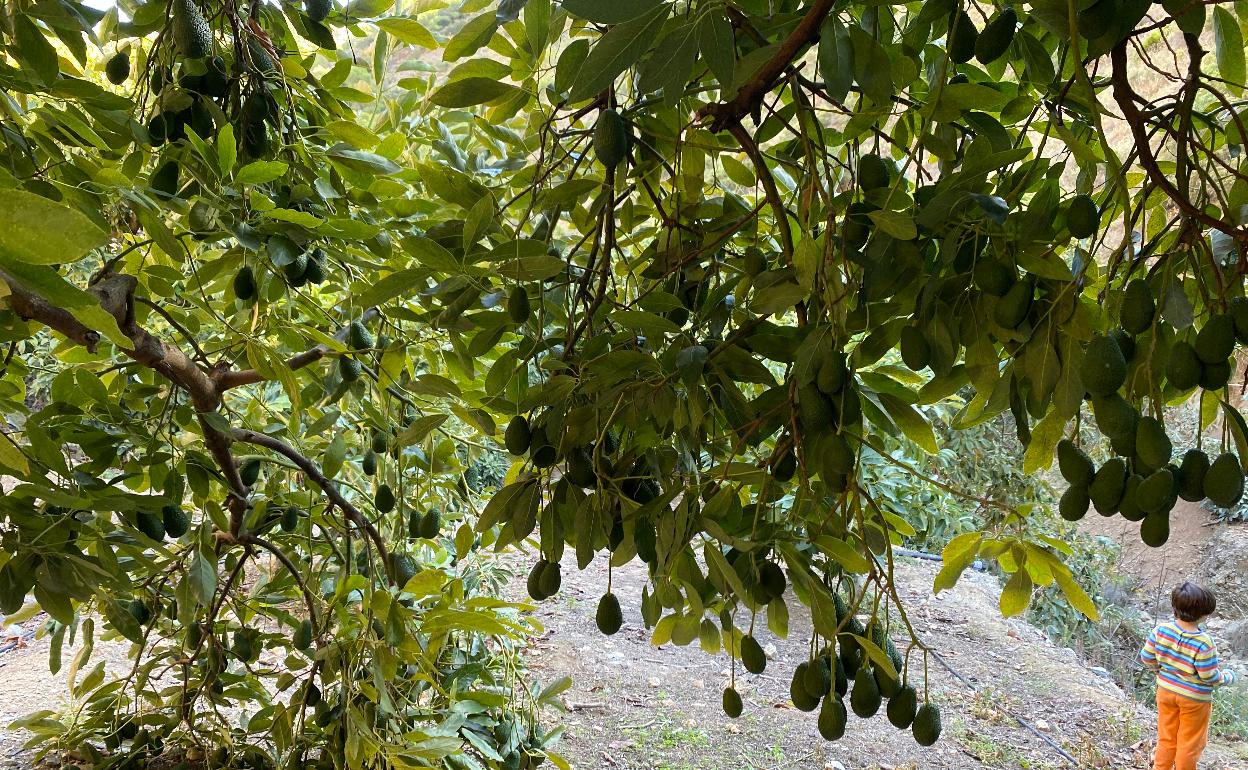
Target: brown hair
[[1192, 602]]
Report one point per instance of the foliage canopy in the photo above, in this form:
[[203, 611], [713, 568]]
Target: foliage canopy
[[280, 280]]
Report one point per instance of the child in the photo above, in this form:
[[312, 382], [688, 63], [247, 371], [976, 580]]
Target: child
[[1186, 663]]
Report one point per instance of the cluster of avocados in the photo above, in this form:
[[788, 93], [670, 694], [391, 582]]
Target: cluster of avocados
[[307, 267], [1142, 482], [192, 86], [987, 45], [823, 682], [171, 521]]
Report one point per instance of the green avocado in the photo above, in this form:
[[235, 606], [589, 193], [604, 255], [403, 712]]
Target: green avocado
[[383, 499], [609, 616], [1156, 492], [832, 718], [993, 276], [150, 524], [518, 305], [1108, 485], [732, 702], [191, 34], [996, 36], [873, 172], [1129, 507], [1114, 416], [1074, 503], [798, 693], [175, 521], [1183, 367], [902, 707], [516, 438], [1215, 376], [1104, 368], [962, 38], [302, 638], [1239, 317], [118, 68], [349, 368], [1191, 475], [1152, 446], [1224, 481], [752, 656], [864, 698], [1138, 307], [612, 138], [551, 578], [1012, 308], [1216, 340], [1155, 529], [1082, 218], [926, 726], [1075, 465]]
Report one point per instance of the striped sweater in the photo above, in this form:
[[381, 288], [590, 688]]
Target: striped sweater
[[1186, 662]]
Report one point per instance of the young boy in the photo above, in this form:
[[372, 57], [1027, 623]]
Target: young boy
[[1186, 663]]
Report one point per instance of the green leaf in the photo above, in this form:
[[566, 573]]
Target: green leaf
[[26, 235], [202, 575], [420, 427], [409, 31], [717, 44], [470, 92], [1044, 437], [836, 58], [1075, 594], [911, 422], [358, 160], [610, 11], [1016, 594], [34, 48], [844, 554], [261, 171], [227, 150], [1229, 48], [402, 283], [471, 37], [898, 224], [616, 51]]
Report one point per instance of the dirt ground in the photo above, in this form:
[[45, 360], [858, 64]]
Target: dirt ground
[[634, 706]]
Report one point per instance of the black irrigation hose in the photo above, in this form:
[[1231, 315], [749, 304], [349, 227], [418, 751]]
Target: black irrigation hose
[[978, 566], [22, 637], [1031, 728]]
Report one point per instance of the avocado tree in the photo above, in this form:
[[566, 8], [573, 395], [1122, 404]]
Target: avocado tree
[[281, 281]]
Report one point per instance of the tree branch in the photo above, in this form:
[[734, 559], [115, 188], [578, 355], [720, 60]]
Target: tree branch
[[308, 598], [226, 379], [1125, 97], [115, 293], [724, 115], [310, 469]]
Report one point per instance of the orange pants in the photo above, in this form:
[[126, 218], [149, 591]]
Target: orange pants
[[1182, 730]]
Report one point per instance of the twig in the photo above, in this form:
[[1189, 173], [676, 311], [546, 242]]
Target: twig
[[311, 470]]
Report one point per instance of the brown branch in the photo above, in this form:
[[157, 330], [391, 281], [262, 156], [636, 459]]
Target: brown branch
[[310, 469], [226, 379], [116, 296], [1125, 97], [308, 598], [747, 100]]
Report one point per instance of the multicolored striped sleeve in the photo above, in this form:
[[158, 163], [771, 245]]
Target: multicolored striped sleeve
[[1148, 655], [1208, 667]]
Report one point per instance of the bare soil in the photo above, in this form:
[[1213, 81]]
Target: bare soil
[[633, 705]]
